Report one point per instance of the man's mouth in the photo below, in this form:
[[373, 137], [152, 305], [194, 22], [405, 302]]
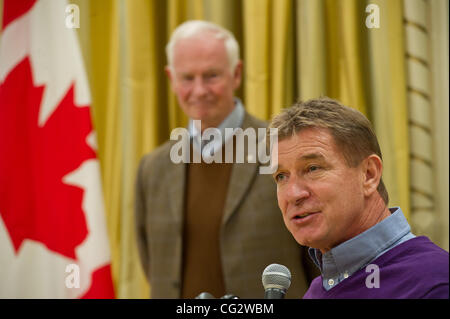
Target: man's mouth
[[303, 215]]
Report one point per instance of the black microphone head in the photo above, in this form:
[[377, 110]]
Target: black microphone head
[[205, 295], [276, 276]]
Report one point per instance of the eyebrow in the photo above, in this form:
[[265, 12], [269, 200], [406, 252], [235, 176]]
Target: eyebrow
[[306, 157], [312, 156]]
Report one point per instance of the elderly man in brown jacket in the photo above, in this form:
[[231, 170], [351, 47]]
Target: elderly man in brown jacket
[[210, 226]]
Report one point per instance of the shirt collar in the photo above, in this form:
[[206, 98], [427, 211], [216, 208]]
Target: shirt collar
[[358, 251], [233, 120]]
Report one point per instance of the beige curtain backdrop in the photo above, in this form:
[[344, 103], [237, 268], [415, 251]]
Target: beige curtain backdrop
[[438, 17], [426, 57], [292, 49], [422, 159]]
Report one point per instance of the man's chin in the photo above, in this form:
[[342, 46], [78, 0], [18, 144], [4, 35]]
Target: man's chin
[[306, 241], [201, 107], [206, 119], [201, 115]]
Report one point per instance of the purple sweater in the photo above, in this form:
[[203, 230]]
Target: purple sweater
[[414, 269]]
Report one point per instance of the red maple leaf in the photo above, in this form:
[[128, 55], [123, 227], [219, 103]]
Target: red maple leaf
[[34, 202]]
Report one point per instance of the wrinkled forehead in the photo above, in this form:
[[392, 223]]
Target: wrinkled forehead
[[308, 133], [307, 143]]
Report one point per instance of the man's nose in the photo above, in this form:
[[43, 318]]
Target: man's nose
[[199, 88], [296, 191]]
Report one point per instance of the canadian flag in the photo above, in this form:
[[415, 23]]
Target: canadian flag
[[53, 238]]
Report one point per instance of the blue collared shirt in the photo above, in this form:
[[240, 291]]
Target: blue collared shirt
[[233, 120], [343, 260]]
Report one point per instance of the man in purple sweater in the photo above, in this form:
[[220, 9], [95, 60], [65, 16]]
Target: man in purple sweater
[[333, 199]]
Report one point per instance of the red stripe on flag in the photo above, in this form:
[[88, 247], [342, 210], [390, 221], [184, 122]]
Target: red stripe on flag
[[102, 286], [12, 9]]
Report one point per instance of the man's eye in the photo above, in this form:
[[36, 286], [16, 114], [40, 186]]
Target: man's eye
[[313, 168], [280, 177], [211, 75], [187, 78]]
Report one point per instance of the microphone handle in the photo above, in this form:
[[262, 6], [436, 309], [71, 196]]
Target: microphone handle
[[274, 293]]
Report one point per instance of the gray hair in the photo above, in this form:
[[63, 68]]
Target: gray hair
[[192, 28]]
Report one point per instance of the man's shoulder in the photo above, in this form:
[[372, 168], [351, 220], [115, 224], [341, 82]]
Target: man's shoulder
[[416, 252], [160, 156], [420, 249], [418, 261], [253, 121]]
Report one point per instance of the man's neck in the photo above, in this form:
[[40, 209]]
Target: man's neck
[[216, 123], [375, 212]]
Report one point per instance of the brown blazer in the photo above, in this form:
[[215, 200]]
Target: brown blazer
[[253, 234]]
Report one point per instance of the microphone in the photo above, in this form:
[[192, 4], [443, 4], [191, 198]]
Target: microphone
[[205, 295], [276, 280], [229, 296]]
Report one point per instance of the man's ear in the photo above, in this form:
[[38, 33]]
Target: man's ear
[[168, 71], [237, 75], [170, 75], [373, 170]]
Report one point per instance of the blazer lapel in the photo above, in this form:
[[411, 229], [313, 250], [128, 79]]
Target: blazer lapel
[[242, 175], [176, 177]]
